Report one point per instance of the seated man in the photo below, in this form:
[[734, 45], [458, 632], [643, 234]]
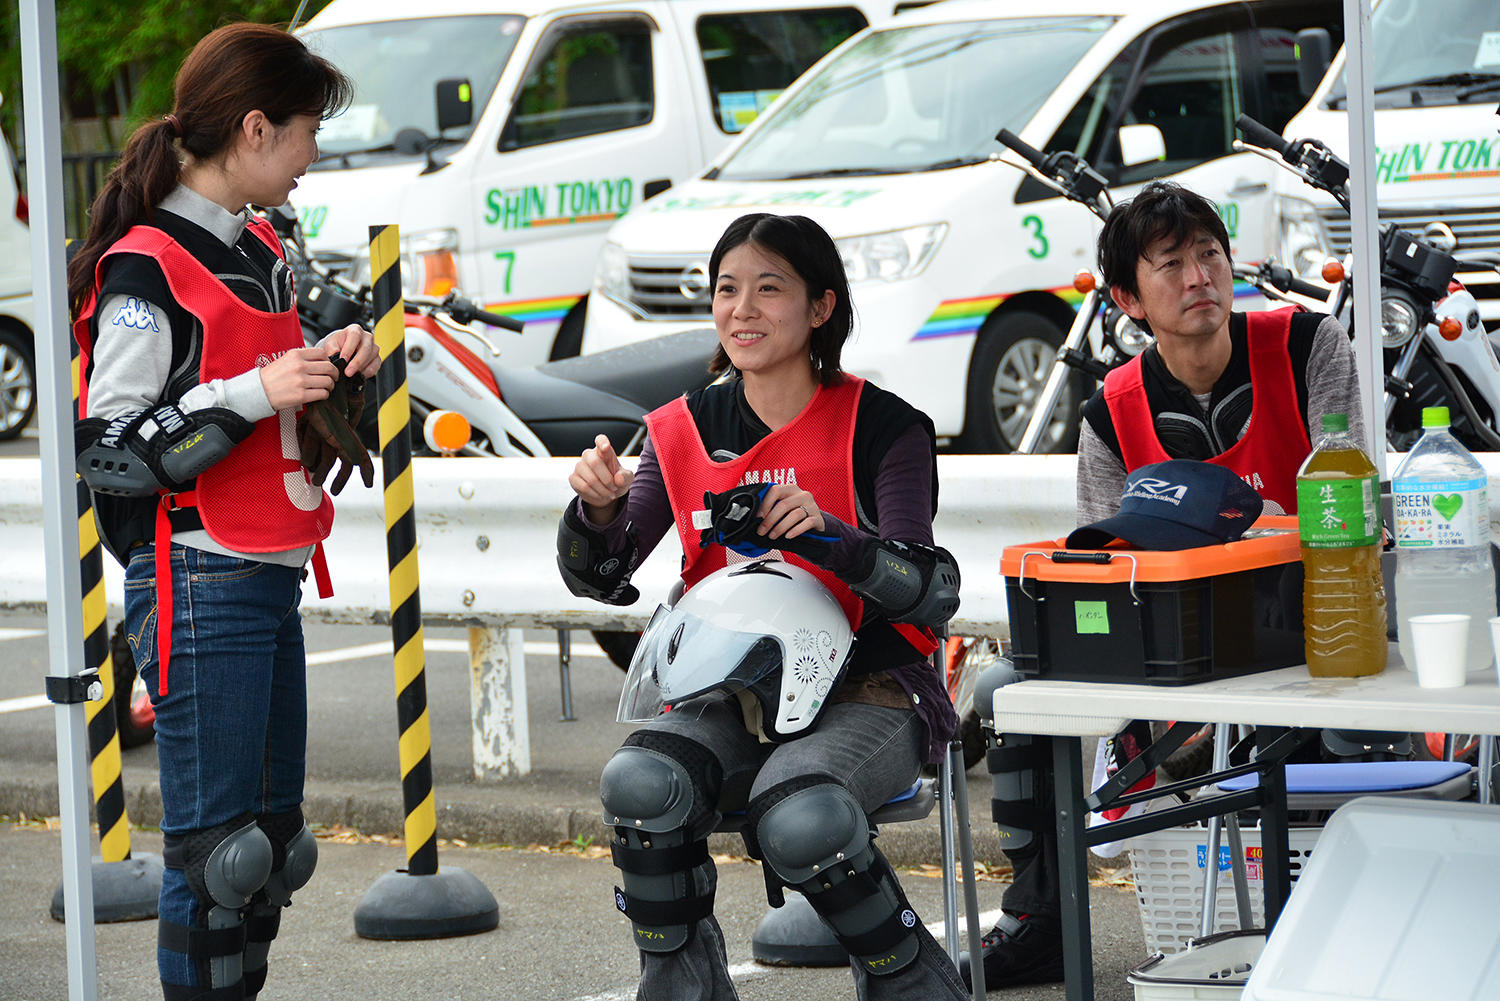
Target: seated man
[[1241, 390]]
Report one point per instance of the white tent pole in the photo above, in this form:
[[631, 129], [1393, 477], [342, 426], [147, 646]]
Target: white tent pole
[[1365, 232], [59, 500]]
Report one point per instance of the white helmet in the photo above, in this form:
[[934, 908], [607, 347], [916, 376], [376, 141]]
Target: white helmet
[[768, 632]]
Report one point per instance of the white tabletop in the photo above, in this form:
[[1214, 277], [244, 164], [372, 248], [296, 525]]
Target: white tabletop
[[1290, 696]]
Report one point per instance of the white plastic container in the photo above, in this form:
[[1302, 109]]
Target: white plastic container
[[1210, 969], [1443, 538], [1398, 905]]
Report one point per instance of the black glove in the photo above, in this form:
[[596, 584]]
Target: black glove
[[326, 435], [733, 524]]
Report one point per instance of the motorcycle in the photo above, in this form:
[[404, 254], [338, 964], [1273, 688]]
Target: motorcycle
[[1453, 362], [553, 409]]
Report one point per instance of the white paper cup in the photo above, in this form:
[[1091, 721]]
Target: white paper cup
[[1440, 644], [1495, 639]]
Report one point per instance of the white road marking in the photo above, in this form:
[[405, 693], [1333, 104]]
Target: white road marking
[[20, 634], [21, 704], [741, 972], [383, 649]]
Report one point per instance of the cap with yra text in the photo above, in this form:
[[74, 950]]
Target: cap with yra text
[[1178, 504]]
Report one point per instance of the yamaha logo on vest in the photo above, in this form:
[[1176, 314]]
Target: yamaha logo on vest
[[787, 475]]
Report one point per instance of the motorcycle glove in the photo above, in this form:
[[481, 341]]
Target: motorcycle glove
[[326, 435], [729, 520]]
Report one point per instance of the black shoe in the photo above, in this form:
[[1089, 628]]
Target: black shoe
[[1018, 950]]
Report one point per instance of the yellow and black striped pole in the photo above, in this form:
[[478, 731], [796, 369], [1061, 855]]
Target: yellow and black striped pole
[[125, 888], [401, 550], [420, 901]]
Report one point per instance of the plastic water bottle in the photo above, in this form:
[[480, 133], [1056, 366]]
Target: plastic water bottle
[[1343, 592], [1443, 538]]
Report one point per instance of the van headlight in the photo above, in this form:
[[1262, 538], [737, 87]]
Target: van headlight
[[892, 255], [612, 272], [1304, 244], [429, 263]]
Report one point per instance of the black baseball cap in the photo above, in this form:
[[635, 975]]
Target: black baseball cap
[[1178, 504]]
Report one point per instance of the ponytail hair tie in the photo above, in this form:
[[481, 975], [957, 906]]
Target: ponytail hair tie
[[176, 125]]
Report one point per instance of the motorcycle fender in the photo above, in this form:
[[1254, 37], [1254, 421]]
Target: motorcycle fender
[[439, 381]]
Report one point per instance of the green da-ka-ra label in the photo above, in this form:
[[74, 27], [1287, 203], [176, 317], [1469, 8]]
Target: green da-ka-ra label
[[1447, 515], [1337, 513]]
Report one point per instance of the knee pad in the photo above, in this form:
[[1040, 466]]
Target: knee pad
[[294, 857], [224, 867], [817, 839], [661, 806], [1011, 760]]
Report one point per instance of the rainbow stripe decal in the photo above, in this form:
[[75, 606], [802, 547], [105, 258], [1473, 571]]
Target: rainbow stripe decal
[[549, 310], [960, 317]]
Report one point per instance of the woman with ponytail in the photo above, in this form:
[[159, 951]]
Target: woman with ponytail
[[194, 370]]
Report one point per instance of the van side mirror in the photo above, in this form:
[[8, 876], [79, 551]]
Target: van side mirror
[[1314, 54], [455, 104], [1141, 144]]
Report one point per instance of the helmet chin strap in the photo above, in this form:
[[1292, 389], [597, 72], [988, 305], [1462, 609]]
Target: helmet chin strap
[[754, 714]]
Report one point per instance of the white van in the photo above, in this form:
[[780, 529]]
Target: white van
[[1437, 83], [505, 137], [961, 266], [17, 319]]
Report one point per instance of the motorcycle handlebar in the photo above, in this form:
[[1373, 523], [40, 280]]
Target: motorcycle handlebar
[[1029, 153], [1259, 135], [496, 320]]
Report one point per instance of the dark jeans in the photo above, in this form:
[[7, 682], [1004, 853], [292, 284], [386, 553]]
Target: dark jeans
[[231, 732]]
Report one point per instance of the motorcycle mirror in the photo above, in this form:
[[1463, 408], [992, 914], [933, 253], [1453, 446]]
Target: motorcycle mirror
[[1314, 54], [1141, 144], [1333, 272], [455, 104]]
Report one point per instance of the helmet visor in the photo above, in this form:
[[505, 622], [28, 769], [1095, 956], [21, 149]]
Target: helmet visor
[[681, 656]]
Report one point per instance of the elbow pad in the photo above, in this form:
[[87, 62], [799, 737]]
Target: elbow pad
[[140, 454], [907, 582], [588, 568]]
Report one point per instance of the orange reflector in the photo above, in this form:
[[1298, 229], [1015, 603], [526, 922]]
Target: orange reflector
[[1450, 328], [439, 273], [1084, 282], [1333, 272], [446, 431]]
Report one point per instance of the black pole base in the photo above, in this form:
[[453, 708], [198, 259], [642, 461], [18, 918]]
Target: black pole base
[[794, 935], [123, 891], [447, 904]]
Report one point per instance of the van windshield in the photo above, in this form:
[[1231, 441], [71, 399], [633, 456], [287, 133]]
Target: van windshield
[[916, 98], [1426, 54], [395, 66]]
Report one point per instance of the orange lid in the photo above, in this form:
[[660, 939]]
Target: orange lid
[[1270, 541]]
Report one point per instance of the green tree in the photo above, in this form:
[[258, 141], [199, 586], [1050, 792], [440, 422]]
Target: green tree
[[103, 44]]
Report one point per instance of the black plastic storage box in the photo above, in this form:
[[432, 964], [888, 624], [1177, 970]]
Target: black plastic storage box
[[1162, 618]]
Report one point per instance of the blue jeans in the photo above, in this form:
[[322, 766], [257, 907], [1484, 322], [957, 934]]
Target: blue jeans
[[231, 732]]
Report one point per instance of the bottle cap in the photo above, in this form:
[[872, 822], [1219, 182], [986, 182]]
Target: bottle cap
[[1335, 423], [1435, 417]]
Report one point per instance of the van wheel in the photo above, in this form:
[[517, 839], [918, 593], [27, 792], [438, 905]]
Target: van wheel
[[1010, 367], [17, 384], [569, 341]]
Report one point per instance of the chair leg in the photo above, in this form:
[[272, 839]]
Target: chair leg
[[960, 801], [945, 830]]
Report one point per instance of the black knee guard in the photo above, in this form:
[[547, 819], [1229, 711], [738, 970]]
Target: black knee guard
[[294, 856], [224, 867], [659, 792], [1011, 760], [817, 839]]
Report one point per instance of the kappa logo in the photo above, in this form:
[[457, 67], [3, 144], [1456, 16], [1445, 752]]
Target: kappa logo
[[1151, 488], [136, 315]]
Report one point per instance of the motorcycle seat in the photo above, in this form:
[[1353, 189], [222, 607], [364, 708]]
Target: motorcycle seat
[[646, 374]]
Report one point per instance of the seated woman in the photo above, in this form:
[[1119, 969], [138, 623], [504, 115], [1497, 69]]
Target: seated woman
[[839, 477]]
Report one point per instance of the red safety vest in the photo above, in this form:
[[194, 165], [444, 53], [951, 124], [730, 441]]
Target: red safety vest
[[1274, 444], [258, 498], [814, 451]]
